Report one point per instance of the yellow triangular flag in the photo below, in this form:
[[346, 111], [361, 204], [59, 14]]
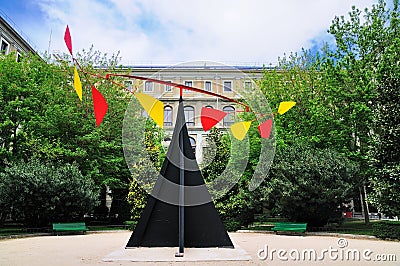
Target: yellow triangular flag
[[77, 84], [240, 129], [153, 107], [285, 106]]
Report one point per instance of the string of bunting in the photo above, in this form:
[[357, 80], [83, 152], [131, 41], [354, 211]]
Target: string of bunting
[[155, 108]]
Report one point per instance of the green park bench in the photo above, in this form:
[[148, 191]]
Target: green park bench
[[70, 227], [289, 227]]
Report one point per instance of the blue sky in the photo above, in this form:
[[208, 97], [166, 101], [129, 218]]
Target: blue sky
[[174, 31]]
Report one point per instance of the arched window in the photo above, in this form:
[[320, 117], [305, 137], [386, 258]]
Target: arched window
[[168, 116], [229, 119], [189, 115], [209, 106]]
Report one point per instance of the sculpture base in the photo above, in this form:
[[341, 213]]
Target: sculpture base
[[164, 254]]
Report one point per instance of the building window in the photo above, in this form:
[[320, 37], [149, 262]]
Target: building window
[[229, 119], [167, 116], [248, 85], [189, 84], [189, 115], [168, 88], [148, 86], [209, 106], [4, 47], [207, 85], [129, 85], [227, 85]]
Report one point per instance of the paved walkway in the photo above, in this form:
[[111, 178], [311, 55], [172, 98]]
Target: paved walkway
[[259, 249]]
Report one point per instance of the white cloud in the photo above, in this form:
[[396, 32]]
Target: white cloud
[[165, 31]]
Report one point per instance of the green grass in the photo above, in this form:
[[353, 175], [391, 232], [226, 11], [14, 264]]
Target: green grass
[[106, 228], [353, 226], [9, 231]]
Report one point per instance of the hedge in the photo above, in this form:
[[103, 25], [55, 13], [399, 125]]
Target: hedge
[[387, 229]]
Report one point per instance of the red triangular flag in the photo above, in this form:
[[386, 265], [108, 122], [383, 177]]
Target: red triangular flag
[[210, 117], [100, 106], [265, 129], [67, 39]]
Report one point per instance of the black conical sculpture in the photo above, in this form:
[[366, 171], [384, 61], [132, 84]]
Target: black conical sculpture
[[171, 221]]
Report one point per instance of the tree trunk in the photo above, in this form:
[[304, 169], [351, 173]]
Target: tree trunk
[[364, 206]]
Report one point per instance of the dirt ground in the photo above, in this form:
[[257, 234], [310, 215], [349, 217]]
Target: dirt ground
[[264, 249]]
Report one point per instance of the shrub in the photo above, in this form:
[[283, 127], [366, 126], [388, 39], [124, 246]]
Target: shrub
[[307, 184], [42, 193], [387, 229], [131, 224], [231, 225]]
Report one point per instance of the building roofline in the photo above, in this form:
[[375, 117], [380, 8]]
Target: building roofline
[[197, 67], [6, 21]]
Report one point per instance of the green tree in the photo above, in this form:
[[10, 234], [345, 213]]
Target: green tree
[[42, 117], [43, 193], [386, 149], [325, 116], [24, 87], [364, 61], [338, 89], [316, 118]]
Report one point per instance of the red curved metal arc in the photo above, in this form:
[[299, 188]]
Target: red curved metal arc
[[180, 86]]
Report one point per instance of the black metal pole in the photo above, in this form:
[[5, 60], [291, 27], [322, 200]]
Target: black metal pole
[[181, 198]]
